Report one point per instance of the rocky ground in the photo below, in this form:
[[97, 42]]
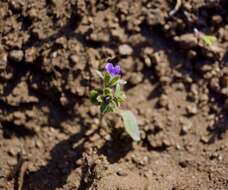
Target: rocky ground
[[50, 135]]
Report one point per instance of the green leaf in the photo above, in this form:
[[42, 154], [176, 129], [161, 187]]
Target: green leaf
[[208, 39], [93, 96], [107, 78], [120, 96], [108, 91], [114, 80], [130, 124], [99, 99], [116, 102], [106, 107], [118, 90]]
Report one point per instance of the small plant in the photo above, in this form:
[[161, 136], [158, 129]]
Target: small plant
[[208, 39], [110, 96]]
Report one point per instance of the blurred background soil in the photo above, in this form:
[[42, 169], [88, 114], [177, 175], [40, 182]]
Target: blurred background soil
[[50, 135]]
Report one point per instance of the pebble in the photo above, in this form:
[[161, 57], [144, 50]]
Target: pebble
[[125, 49], [13, 151], [121, 173], [192, 110], [39, 143], [163, 101], [74, 59], [16, 55], [187, 40], [204, 139], [186, 126], [63, 100], [191, 54], [216, 19], [30, 55]]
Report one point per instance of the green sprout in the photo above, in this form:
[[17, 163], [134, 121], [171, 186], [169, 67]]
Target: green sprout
[[208, 39], [110, 96]]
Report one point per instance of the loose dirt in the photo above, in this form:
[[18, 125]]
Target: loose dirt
[[50, 135]]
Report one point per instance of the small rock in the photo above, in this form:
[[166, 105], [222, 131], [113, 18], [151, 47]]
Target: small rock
[[30, 55], [192, 110], [216, 19], [13, 151], [191, 54], [147, 61], [166, 143], [3, 60], [94, 138], [186, 126], [125, 49], [163, 100], [16, 55], [187, 40], [33, 14], [74, 59], [39, 143], [63, 100], [121, 173], [204, 139]]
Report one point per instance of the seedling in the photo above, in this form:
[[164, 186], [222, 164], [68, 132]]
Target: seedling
[[110, 96], [208, 39]]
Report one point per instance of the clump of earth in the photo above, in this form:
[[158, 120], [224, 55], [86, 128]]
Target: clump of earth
[[50, 133]]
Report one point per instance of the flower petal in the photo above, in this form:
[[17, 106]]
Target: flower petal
[[109, 67], [117, 70]]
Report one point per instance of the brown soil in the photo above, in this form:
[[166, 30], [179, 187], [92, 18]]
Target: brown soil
[[50, 133]]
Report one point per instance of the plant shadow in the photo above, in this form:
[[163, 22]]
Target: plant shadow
[[117, 147], [64, 157]]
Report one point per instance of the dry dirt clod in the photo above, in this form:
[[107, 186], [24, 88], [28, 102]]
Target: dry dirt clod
[[204, 139], [30, 55], [163, 101], [121, 173], [13, 151], [125, 49], [16, 55], [3, 59], [186, 126], [216, 19], [192, 109], [74, 59], [187, 41]]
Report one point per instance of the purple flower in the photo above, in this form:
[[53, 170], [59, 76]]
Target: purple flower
[[113, 70]]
